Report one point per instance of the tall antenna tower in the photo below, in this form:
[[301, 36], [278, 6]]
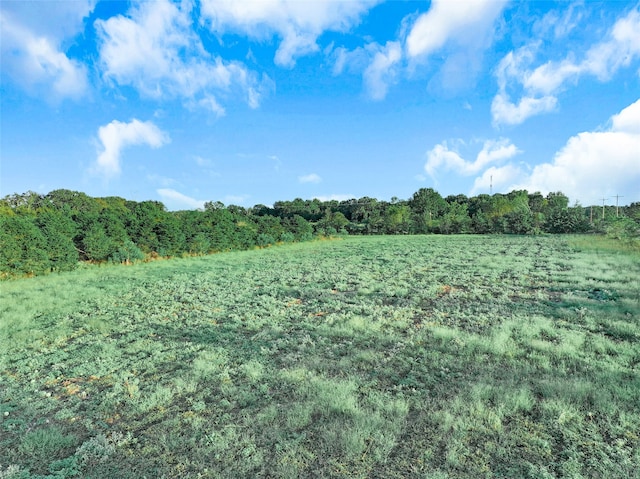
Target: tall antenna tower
[[491, 185]]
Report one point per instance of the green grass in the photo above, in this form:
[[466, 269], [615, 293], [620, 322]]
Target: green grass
[[384, 357]]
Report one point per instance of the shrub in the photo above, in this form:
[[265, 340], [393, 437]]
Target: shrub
[[127, 253], [265, 240], [287, 237]]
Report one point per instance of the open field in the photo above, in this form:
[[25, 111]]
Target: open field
[[384, 357]]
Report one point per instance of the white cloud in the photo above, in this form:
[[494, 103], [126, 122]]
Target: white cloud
[[174, 200], [116, 136], [459, 32], [559, 25], [447, 20], [469, 30], [495, 178], [54, 20], [32, 40], [155, 50], [542, 84], [311, 178], [595, 163], [439, 156], [442, 157], [628, 120], [382, 70], [504, 111], [378, 64], [297, 23]]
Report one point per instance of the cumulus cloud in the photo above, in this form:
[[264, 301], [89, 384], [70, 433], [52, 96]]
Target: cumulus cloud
[[595, 163], [459, 32], [174, 200], [116, 136], [32, 39], [467, 30], [541, 84], [156, 50], [298, 24], [443, 157], [311, 178], [447, 20]]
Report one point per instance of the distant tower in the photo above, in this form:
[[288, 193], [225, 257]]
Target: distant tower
[[491, 185]]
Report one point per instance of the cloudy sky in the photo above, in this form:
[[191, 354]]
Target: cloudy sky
[[257, 101]]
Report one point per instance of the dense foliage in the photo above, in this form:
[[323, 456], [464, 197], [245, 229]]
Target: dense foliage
[[52, 232], [436, 357]]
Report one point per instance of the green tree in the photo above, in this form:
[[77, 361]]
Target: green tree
[[223, 228], [302, 230], [23, 247], [519, 219], [428, 207], [25, 203], [556, 201], [568, 220], [332, 223], [456, 220], [397, 219], [269, 227], [59, 230], [154, 229], [366, 216], [96, 244]]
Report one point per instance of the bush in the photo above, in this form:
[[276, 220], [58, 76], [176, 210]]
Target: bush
[[127, 253], [265, 240], [626, 231], [623, 229], [287, 237], [199, 244]]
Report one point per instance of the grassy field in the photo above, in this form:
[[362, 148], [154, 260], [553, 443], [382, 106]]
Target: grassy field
[[377, 357]]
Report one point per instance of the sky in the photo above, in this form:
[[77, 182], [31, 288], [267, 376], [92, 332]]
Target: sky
[[259, 101]]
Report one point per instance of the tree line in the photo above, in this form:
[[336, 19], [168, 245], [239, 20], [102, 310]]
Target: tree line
[[53, 232]]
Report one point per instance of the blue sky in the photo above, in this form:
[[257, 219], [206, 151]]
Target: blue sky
[[253, 102]]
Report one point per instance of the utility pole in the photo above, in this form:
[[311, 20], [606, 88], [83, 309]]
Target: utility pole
[[617, 209], [603, 200]]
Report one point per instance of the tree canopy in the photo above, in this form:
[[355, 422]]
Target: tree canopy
[[53, 232]]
